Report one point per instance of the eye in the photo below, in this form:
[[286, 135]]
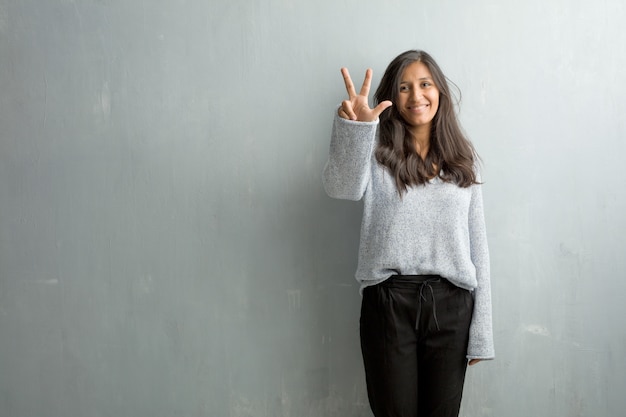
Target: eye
[[426, 84], [404, 88]]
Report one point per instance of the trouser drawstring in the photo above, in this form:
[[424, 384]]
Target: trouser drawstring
[[421, 297]]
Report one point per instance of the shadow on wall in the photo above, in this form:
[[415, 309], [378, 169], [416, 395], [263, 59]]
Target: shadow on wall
[[291, 340]]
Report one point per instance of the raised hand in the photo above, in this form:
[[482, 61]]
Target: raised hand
[[357, 106]]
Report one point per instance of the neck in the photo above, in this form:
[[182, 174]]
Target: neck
[[421, 140]]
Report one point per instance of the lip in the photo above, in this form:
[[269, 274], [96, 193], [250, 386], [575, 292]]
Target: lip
[[418, 108]]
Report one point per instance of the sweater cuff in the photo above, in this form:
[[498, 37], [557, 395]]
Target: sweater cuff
[[354, 122]]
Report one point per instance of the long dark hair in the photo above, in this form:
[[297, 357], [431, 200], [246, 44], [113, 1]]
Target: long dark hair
[[450, 151]]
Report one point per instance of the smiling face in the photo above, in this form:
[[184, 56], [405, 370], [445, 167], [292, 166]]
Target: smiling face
[[418, 97]]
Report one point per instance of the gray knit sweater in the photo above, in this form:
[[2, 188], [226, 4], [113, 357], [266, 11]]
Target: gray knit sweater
[[437, 228]]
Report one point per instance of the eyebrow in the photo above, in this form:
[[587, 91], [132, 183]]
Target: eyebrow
[[421, 79]]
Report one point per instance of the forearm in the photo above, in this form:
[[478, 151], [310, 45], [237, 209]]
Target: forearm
[[347, 171], [481, 331]]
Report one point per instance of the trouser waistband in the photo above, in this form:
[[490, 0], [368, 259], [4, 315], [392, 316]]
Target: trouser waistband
[[415, 279], [424, 284]]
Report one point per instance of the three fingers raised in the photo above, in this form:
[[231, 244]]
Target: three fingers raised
[[357, 106]]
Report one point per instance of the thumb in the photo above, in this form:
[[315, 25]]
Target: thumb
[[382, 106]]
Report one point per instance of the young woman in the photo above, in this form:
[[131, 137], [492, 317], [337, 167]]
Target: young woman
[[423, 257]]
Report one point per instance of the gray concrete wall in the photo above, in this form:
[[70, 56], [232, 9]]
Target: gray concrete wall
[[166, 248]]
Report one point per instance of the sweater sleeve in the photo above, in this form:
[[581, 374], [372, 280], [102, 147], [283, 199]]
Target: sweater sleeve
[[481, 331], [347, 171]]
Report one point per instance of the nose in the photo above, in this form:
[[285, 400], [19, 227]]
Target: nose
[[416, 93]]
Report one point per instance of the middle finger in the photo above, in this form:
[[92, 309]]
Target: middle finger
[[348, 82]]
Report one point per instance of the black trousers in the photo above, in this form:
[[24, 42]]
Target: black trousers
[[414, 335]]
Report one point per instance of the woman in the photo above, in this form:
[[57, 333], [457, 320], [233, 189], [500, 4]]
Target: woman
[[423, 257]]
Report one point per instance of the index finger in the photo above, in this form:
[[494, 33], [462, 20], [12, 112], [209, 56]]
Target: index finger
[[348, 82], [367, 82]]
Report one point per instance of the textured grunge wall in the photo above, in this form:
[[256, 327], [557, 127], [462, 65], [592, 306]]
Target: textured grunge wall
[[166, 248]]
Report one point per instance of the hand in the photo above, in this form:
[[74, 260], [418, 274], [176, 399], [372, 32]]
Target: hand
[[357, 106], [474, 361]]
